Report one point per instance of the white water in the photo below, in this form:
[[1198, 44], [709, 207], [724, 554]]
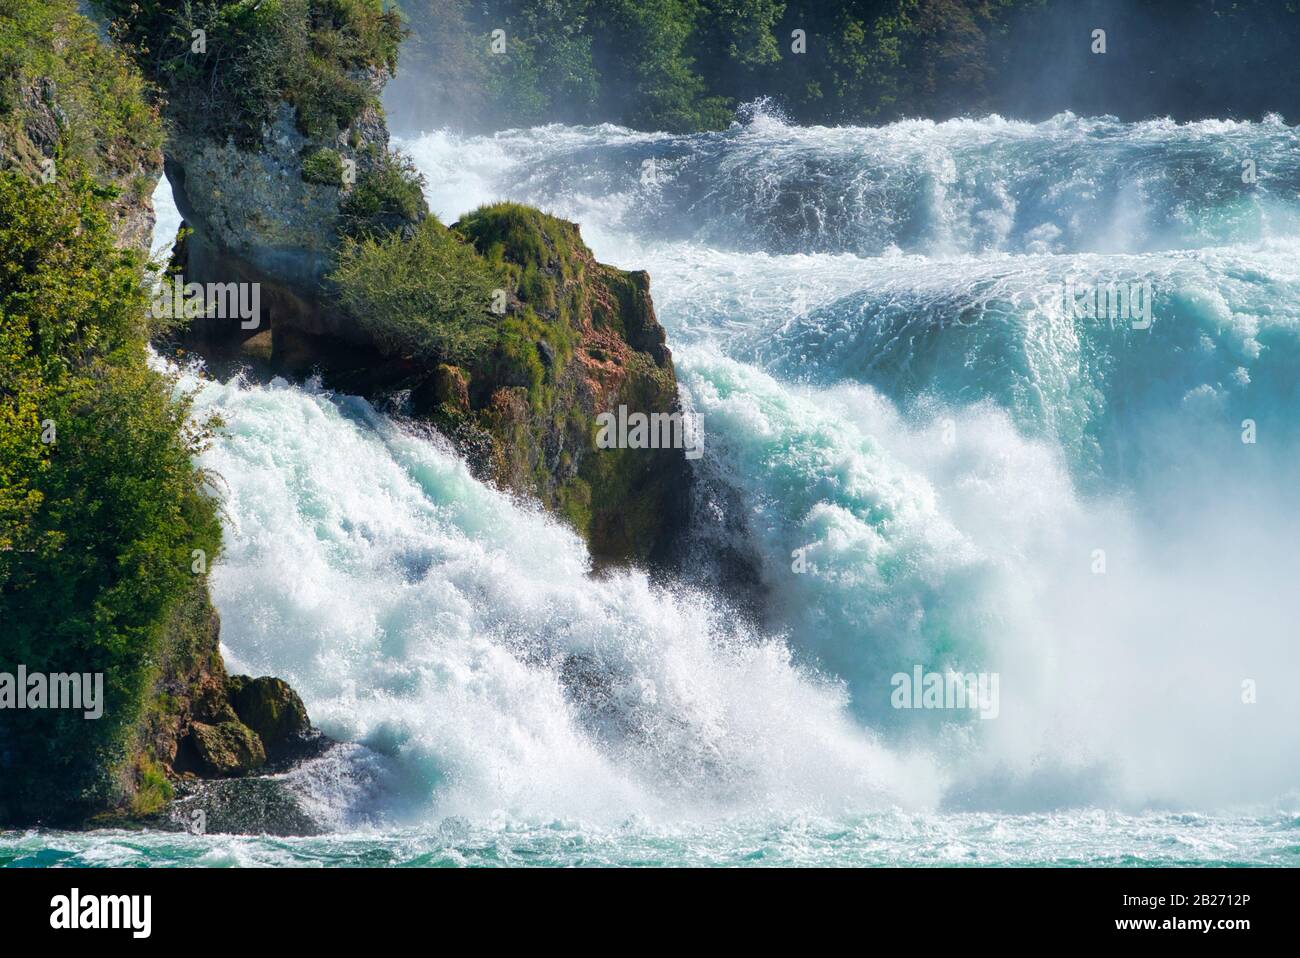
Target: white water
[[434, 619], [949, 495]]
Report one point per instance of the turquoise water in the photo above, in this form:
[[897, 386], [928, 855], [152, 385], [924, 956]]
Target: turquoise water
[[869, 322], [1093, 838]]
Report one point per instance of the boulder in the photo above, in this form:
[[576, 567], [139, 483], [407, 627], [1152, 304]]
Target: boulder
[[274, 712], [224, 750]]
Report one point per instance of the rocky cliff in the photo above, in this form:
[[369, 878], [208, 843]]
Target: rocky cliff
[[587, 343], [202, 723], [270, 215], [505, 332]]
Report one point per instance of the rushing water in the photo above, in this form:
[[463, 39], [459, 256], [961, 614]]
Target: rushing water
[[898, 399]]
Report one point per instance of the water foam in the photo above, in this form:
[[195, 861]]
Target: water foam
[[456, 632], [1068, 184]]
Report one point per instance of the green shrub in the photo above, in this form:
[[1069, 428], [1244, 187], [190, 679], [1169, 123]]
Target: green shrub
[[154, 790], [425, 297], [386, 197], [323, 166]]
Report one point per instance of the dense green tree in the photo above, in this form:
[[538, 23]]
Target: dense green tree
[[101, 508], [538, 69], [643, 54], [444, 66], [686, 64]]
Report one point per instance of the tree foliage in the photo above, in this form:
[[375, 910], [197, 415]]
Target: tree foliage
[[424, 297], [100, 504], [686, 64], [225, 65]]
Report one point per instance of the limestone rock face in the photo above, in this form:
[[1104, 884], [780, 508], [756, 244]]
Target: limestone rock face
[[262, 216], [270, 212], [254, 203]]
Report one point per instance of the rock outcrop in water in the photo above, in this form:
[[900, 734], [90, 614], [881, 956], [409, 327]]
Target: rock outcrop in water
[[216, 725], [586, 342], [503, 330]]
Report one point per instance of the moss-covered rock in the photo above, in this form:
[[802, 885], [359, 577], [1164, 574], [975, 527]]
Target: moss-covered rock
[[450, 391], [188, 682], [154, 789], [540, 253], [202, 723], [219, 751], [579, 338], [274, 711]]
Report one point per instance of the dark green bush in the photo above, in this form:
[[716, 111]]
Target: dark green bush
[[323, 166]]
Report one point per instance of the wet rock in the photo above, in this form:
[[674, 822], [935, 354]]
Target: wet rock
[[230, 748], [275, 713], [243, 806]]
